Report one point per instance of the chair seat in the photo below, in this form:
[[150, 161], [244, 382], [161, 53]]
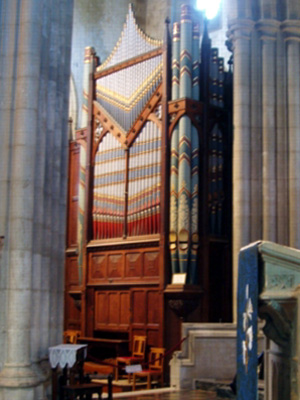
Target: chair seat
[[148, 372]]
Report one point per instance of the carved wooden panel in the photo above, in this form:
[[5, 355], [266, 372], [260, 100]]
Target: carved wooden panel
[[115, 266], [98, 267], [133, 265], [151, 263], [72, 277], [73, 195], [127, 265], [72, 313]]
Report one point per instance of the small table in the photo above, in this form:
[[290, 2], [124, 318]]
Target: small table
[[66, 356], [119, 345]]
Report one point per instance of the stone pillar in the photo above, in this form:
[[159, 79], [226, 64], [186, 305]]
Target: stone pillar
[[8, 24], [282, 146], [38, 200], [268, 35], [240, 31], [17, 367], [256, 141], [291, 31], [35, 67]]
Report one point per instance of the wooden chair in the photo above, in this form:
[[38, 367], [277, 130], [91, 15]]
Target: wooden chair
[[137, 355], [71, 336], [155, 370]]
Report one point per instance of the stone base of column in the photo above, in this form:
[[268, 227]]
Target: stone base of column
[[20, 376], [33, 393]]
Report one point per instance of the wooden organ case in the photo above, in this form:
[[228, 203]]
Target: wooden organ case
[[149, 189]]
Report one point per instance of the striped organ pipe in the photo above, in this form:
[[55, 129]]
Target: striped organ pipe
[[195, 164], [109, 188], [173, 238], [184, 165], [144, 181], [89, 65]]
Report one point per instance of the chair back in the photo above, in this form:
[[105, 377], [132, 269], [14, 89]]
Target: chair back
[[139, 346], [156, 359], [71, 336]]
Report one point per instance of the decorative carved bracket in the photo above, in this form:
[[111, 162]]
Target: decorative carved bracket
[[183, 299], [192, 108], [278, 327]]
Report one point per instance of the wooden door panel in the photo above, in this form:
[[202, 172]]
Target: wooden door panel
[[153, 338], [112, 310], [101, 310], [153, 309], [139, 307], [147, 314], [125, 309]]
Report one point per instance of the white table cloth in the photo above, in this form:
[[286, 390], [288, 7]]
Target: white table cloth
[[66, 355]]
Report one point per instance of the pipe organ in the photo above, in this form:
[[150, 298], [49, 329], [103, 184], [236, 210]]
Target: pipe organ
[[149, 188]]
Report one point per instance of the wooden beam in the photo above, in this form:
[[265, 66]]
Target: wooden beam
[[132, 61], [109, 124], [144, 115]]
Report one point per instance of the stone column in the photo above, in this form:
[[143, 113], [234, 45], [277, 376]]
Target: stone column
[[8, 24], [35, 78], [240, 31], [268, 35], [291, 31], [256, 141], [17, 367], [39, 193], [66, 24], [282, 146]]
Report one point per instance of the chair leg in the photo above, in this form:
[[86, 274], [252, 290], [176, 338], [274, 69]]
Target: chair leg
[[117, 372], [133, 386], [149, 381]]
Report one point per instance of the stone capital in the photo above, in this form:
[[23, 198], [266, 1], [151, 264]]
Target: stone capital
[[268, 29], [239, 29], [291, 30]]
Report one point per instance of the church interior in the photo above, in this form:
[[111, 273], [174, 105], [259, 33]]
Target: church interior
[[144, 144]]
